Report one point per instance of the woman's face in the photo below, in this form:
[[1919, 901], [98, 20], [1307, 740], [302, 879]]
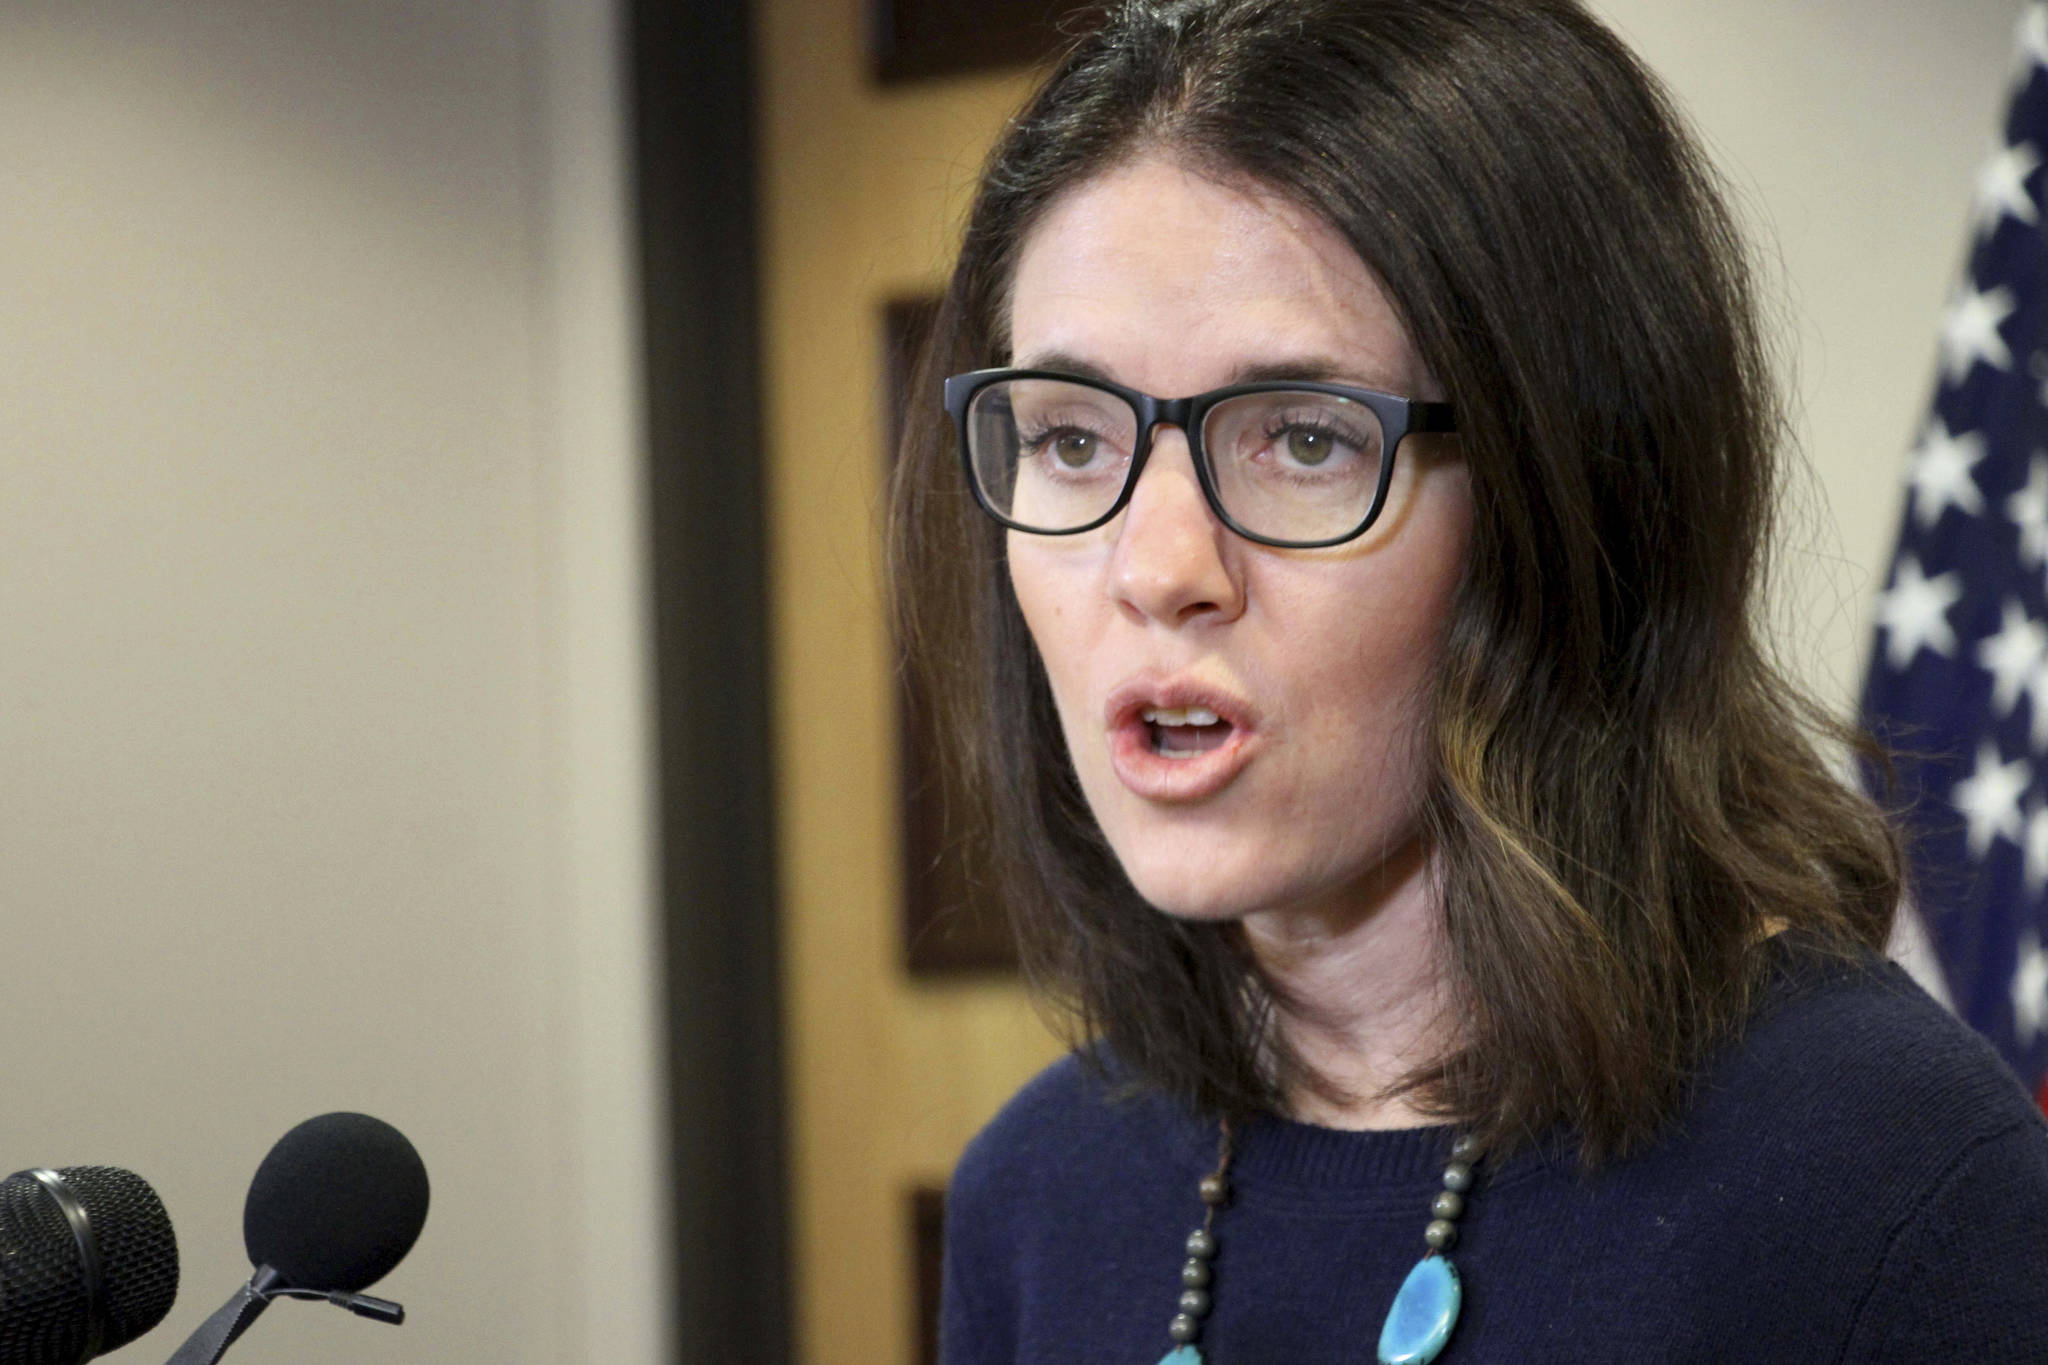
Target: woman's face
[[1303, 794]]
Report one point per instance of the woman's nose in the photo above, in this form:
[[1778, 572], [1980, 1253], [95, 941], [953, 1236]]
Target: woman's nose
[[1174, 561]]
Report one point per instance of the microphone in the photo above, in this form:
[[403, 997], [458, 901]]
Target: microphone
[[88, 1263], [334, 1208]]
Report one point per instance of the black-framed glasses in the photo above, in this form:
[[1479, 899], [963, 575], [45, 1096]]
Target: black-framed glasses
[[1295, 464]]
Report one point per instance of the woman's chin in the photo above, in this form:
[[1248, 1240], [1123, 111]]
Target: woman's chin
[[1174, 892], [1215, 890]]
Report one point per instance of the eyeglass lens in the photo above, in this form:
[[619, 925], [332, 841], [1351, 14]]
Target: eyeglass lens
[[1053, 455]]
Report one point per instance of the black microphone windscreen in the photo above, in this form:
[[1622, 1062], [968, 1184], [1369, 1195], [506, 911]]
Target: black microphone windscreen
[[338, 1202], [45, 1313]]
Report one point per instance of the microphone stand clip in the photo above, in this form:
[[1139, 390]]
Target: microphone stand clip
[[231, 1319]]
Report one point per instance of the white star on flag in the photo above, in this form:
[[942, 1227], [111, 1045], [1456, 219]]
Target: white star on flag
[[2014, 656], [1989, 799], [2037, 693], [2032, 41], [2030, 991], [1970, 331], [2028, 509], [2002, 187], [2036, 850], [1914, 613], [1941, 475]]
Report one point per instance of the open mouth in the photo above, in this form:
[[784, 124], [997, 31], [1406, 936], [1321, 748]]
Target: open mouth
[[1178, 741], [1184, 731]]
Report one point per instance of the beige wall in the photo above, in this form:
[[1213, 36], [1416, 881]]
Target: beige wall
[[321, 731], [1851, 128]]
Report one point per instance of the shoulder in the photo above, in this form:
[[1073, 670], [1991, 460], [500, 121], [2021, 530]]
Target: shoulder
[[1051, 1193], [1856, 1052], [1847, 1103], [1856, 1141], [1075, 1149], [1917, 1137], [1075, 1120], [1006, 1151], [1861, 1123]]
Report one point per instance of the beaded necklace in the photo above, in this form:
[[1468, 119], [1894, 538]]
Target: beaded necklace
[[1424, 1311]]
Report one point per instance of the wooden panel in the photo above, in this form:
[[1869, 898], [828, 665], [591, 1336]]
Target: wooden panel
[[945, 930], [916, 39], [863, 193]]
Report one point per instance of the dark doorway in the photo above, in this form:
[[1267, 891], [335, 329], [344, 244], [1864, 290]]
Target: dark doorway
[[691, 71]]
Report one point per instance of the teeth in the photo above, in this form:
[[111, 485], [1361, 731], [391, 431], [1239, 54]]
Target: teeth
[[1185, 715]]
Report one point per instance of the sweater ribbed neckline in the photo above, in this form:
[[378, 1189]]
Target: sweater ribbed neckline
[[1283, 1152]]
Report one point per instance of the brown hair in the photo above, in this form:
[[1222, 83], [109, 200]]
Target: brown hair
[[1626, 795]]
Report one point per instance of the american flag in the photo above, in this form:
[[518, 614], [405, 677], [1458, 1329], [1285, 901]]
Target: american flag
[[1958, 678]]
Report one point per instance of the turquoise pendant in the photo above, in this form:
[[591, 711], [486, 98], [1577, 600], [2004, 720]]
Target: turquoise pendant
[[1182, 1355], [1423, 1314]]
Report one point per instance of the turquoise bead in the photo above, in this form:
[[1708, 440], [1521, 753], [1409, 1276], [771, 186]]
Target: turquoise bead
[[1182, 1355], [1423, 1314]]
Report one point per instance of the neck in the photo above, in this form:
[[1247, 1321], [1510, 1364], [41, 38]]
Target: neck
[[1359, 979]]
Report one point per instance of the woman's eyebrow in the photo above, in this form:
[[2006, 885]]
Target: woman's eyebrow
[[1065, 363], [1314, 368]]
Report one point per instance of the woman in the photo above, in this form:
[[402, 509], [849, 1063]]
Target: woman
[[1468, 950]]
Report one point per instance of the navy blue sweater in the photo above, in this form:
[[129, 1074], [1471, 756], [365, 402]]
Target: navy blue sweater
[[1860, 1179]]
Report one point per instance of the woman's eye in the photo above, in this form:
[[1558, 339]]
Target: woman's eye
[[1310, 448], [1303, 447], [1073, 448]]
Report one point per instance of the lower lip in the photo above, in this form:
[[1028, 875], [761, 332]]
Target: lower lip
[[1154, 776]]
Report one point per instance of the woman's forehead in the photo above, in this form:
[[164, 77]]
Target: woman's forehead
[[1166, 277]]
